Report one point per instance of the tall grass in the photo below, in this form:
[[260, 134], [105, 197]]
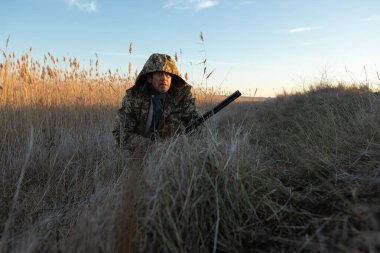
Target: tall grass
[[292, 174]]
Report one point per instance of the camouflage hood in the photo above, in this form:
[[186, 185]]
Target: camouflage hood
[[161, 62]]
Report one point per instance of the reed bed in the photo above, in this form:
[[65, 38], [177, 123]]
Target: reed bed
[[298, 173]]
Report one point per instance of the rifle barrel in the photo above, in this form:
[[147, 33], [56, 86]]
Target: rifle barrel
[[211, 113]]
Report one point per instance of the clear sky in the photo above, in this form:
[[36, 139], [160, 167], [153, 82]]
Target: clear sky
[[268, 45]]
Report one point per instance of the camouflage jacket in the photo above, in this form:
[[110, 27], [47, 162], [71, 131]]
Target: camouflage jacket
[[134, 117]]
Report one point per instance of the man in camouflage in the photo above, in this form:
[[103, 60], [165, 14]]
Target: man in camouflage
[[159, 105]]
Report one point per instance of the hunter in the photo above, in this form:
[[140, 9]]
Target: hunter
[[159, 105]]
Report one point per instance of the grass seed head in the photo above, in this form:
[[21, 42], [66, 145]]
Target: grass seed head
[[130, 68], [176, 57], [130, 48]]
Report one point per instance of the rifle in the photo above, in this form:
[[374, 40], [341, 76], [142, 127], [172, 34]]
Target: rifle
[[197, 122]]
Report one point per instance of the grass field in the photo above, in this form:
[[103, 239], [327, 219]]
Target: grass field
[[298, 173]]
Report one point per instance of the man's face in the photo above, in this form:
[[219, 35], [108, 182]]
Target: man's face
[[160, 81]]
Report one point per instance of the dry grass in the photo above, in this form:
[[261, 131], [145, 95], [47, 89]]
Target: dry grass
[[293, 174]]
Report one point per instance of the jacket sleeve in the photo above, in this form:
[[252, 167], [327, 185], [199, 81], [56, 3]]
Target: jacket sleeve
[[182, 114], [125, 125], [189, 110]]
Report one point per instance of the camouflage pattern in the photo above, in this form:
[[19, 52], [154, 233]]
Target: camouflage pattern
[[131, 120], [160, 62]]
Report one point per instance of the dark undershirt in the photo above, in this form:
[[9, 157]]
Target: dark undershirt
[[158, 100]]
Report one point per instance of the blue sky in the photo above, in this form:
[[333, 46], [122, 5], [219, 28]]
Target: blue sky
[[268, 45]]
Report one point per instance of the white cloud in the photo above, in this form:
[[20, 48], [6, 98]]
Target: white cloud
[[191, 4], [302, 29], [88, 6], [371, 19]]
